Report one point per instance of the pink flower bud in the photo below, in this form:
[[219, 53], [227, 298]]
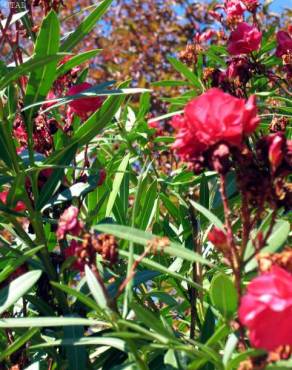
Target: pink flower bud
[[69, 223], [218, 237], [276, 154]]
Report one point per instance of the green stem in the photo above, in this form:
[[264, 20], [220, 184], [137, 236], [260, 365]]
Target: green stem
[[139, 362]]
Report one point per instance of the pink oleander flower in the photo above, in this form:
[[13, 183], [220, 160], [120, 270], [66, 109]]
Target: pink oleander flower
[[234, 8], [84, 106], [20, 206], [266, 309], [284, 41], [212, 118], [69, 223], [244, 39]]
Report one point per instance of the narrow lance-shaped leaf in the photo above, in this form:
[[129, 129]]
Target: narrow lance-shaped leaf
[[76, 61], [86, 26], [208, 214], [142, 237], [96, 289], [17, 288], [41, 79], [117, 184]]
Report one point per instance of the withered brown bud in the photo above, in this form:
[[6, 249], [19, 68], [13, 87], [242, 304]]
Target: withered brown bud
[[189, 55], [278, 124]]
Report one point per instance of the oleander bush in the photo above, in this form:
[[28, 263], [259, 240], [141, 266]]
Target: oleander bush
[[132, 239]]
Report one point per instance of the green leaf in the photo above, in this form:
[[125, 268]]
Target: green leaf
[[234, 362], [204, 192], [209, 215], [151, 320], [149, 206], [34, 366], [80, 189], [170, 83], [96, 289], [18, 343], [15, 263], [185, 71], [142, 237], [41, 79], [280, 365], [163, 269], [223, 295], [99, 120], [17, 288], [97, 90], [85, 26], [15, 17], [230, 347], [117, 184], [76, 61], [40, 322], [32, 64], [53, 182], [275, 241], [87, 341], [77, 356], [75, 293]]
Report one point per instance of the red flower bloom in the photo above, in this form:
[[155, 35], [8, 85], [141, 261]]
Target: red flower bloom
[[211, 118], [20, 206], [69, 223], [284, 44], [234, 8], [266, 309], [244, 39], [85, 105]]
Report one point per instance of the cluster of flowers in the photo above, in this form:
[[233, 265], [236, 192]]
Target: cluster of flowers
[[212, 134], [84, 247], [243, 40], [45, 125], [215, 132]]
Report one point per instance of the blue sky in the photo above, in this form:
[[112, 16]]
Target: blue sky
[[279, 4]]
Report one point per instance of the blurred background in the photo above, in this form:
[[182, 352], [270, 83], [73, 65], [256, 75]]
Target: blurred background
[[137, 35]]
